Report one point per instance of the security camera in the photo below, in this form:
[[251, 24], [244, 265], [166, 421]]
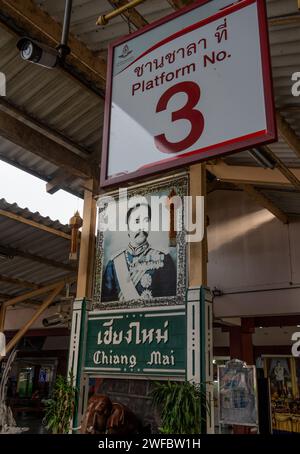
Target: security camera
[[36, 52], [56, 319]]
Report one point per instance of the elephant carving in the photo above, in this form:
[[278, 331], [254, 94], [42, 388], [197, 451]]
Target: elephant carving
[[95, 419], [104, 417], [122, 421]]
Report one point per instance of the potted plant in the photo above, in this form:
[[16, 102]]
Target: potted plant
[[60, 408], [183, 406]]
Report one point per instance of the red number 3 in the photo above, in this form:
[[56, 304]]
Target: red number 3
[[187, 112]]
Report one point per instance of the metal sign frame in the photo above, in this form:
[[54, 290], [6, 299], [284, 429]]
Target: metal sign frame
[[198, 347], [236, 144]]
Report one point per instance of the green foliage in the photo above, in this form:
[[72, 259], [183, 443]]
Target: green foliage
[[181, 405], [60, 408]]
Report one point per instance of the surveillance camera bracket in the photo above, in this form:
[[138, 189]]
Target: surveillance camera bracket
[[63, 48]]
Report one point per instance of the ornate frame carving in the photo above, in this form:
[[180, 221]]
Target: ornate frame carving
[[180, 184]]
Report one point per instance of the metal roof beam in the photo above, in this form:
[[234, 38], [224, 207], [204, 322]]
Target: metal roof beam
[[60, 179], [283, 168], [18, 282], [5, 297], [37, 292], [250, 175], [35, 224], [24, 136], [23, 116], [13, 252], [262, 200], [289, 19], [288, 134], [34, 317]]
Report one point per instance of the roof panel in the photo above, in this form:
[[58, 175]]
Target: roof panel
[[30, 239], [287, 201]]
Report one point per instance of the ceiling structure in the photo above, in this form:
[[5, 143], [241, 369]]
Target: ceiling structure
[[34, 253], [51, 120]]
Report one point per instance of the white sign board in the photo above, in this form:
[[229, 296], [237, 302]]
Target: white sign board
[[178, 97]]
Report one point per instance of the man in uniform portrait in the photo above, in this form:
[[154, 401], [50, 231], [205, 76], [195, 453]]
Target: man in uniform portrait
[[139, 271]]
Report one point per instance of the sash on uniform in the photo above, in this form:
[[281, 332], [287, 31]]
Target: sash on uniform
[[127, 288]]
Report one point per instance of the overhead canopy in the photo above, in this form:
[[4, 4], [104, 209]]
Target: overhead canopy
[[34, 252], [51, 120]]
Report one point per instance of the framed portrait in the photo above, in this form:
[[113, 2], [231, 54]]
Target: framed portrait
[[297, 368], [141, 247], [237, 394], [279, 371], [284, 376]]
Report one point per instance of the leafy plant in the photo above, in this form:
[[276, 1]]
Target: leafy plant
[[182, 406], [60, 408]]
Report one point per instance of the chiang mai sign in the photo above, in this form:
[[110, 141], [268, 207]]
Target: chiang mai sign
[[181, 92], [137, 342]]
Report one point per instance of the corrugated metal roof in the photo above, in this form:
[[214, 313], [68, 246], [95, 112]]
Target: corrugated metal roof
[[287, 201], [51, 96], [85, 13], [30, 239], [30, 162], [285, 55], [36, 216], [280, 148]]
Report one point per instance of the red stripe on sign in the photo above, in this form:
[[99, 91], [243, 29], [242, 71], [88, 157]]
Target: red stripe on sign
[[205, 149]]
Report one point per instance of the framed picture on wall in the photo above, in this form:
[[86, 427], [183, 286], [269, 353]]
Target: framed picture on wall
[[237, 394], [141, 248], [284, 376], [297, 368], [279, 369]]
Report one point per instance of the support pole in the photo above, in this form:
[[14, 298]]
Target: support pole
[[84, 292], [198, 250], [63, 47], [28, 295], [2, 317], [87, 245], [66, 23], [197, 282], [241, 344]]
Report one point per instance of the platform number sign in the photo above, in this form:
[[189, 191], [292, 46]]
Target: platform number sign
[[189, 88]]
